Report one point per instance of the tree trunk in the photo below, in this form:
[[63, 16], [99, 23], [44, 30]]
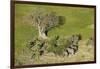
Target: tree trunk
[[42, 33]]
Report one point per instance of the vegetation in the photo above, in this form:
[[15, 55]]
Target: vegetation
[[76, 20]]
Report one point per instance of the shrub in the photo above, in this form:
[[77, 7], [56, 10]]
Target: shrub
[[57, 45]]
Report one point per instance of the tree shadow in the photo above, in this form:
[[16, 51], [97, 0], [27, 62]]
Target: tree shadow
[[61, 20]]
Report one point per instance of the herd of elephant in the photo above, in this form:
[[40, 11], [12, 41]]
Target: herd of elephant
[[70, 49]]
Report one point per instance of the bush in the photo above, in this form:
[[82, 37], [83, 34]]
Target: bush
[[57, 45], [35, 46]]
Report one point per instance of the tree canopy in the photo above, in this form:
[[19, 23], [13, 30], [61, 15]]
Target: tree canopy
[[43, 20]]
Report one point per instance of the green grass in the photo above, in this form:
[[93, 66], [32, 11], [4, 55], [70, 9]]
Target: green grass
[[77, 20]]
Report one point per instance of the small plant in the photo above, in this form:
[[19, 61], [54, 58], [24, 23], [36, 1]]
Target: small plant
[[90, 42]]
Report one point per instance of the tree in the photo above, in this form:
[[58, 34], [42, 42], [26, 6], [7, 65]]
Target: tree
[[43, 20]]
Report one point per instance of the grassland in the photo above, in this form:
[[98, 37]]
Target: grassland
[[77, 20]]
